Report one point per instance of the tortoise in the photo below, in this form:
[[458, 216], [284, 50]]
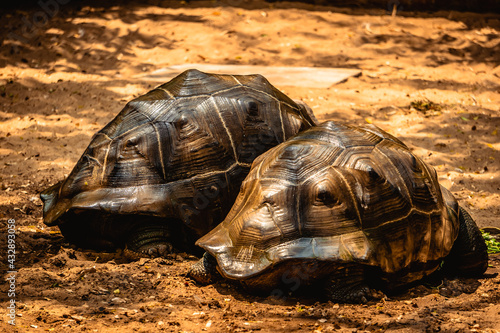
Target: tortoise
[[350, 209], [169, 166]]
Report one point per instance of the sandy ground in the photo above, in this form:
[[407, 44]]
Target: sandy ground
[[64, 78]]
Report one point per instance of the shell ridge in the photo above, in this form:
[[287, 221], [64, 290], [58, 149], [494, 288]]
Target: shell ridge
[[199, 96], [166, 91], [272, 97], [160, 150], [131, 130], [104, 134], [398, 175], [90, 158], [105, 163], [436, 190], [282, 181], [351, 193], [281, 120], [235, 79], [298, 216], [382, 134], [144, 114], [271, 212], [410, 212], [204, 175], [235, 152], [314, 174], [243, 204], [208, 174]]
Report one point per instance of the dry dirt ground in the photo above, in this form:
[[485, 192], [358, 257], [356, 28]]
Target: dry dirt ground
[[64, 75]]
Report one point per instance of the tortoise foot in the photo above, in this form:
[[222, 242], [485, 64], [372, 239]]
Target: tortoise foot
[[156, 250], [347, 285], [353, 294], [152, 240], [205, 270]]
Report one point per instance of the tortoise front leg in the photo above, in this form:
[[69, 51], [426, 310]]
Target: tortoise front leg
[[151, 239], [347, 285], [205, 270]]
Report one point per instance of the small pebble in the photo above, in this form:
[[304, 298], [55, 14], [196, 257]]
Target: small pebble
[[118, 300]]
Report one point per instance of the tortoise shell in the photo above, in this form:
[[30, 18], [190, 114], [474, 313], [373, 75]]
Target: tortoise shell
[[337, 193], [180, 151]]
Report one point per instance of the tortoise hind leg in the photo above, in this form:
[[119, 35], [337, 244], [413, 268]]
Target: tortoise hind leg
[[205, 270], [469, 254], [347, 285]]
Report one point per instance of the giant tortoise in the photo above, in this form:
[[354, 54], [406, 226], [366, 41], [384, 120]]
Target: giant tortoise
[[169, 166], [346, 207]]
